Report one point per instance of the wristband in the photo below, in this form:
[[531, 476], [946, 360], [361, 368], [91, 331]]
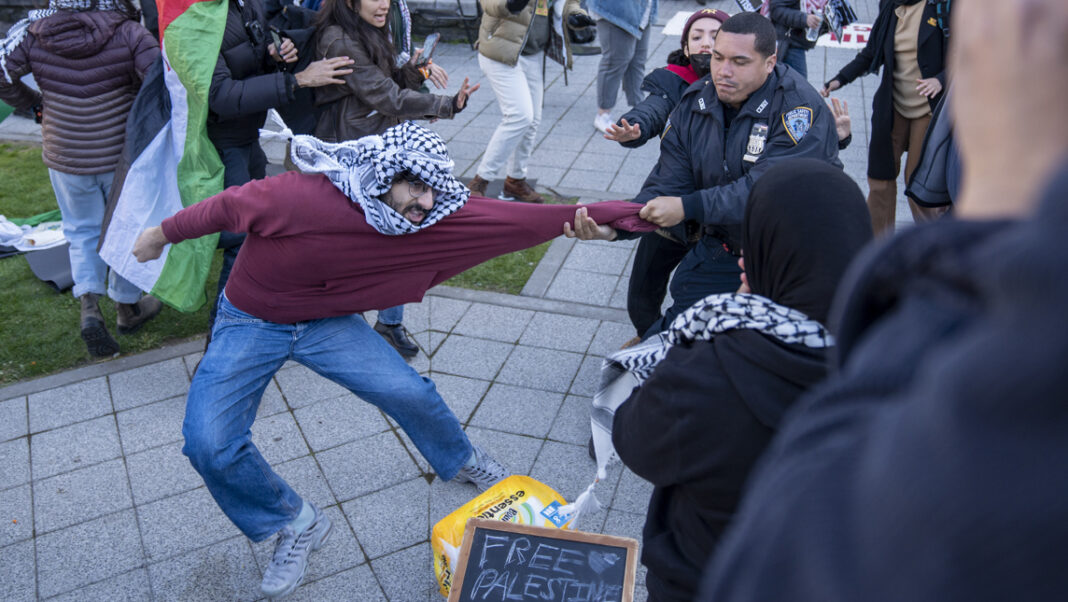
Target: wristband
[[425, 68]]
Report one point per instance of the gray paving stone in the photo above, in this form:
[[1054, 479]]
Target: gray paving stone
[[569, 470], [127, 587], [304, 476], [627, 524], [537, 368], [553, 157], [13, 422], [66, 405], [87, 553], [149, 383], [416, 316], [398, 577], [160, 472], [588, 378], [556, 331], [16, 515], [278, 438], [470, 357], [392, 519], [447, 496], [367, 465], [632, 493], [354, 584], [191, 362], [493, 322], [572, 422], [81, 495], [223, 571], [301, 386], [619, 296], [515, 452], [445, 313], [461, 394], [17, 574], [75, 446], [272, 402], [14, 462], [151, 425], [518, 410], [610, 337], [332, 422], [596, 258], [417, 457], [167, 524], [628, 185], [340, 552], [546, 177], [587, 179], [582, 287]]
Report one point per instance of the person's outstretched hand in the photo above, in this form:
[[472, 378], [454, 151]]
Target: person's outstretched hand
[[831, 86], [324, 72], [587, 229], [465, 92], [842, 122], [149, 245], [623, 132]]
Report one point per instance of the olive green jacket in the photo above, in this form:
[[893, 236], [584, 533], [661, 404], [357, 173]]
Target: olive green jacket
[[502, 34]]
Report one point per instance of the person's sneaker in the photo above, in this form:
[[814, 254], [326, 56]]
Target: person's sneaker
[[95, 334], [397, 336], [290, 559], [131, 316], [517, 189], [602, 121], [484, 473], [478, 185]]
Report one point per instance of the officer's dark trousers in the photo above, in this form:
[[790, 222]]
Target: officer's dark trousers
[[654, 259], [707, 269]]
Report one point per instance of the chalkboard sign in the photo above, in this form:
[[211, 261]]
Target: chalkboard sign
[[501, 561]]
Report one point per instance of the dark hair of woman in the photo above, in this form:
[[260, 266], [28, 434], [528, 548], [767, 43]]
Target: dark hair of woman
[[678, 57], [375, 40]]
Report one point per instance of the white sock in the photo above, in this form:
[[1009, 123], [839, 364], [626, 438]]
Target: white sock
[[305, 518], [471, 461]]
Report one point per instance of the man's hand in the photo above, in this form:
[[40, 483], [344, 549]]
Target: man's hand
[[324, 72], [842, 123], [287, 54], [465, 92], [149, 244], [587, 229], [929, 87], [664, 211], [830, 87], [624, 132]]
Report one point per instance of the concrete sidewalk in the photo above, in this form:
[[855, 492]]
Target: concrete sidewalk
[[97, 502]]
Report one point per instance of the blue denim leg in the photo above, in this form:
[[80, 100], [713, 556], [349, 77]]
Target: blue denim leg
[[223, 398], [795, 57], [349, 352], [83, 200], [392, 316], [707, 269]]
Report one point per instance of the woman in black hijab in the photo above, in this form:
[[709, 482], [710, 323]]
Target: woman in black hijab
[[735, 363]]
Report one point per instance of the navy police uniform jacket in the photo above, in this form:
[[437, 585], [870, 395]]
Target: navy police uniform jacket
[[713, 168]]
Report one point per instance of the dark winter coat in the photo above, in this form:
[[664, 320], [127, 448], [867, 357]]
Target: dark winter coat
[[932, 466], [664, 89], [931, 56], [706, 166], [89, 66], [370, 101], [246, 81], [790, 23]]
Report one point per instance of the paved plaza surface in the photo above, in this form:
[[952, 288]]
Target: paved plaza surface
[[98, 503]]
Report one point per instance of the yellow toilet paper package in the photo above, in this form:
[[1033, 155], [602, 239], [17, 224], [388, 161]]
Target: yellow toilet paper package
[[516, 499]]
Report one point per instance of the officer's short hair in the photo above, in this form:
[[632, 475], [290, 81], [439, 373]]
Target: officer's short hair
[[756, 24]]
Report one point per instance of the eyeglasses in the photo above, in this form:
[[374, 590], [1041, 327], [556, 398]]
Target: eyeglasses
[[417, 188]]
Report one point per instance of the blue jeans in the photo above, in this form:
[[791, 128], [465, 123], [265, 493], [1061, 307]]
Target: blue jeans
[[392, 316], [707, 269], [795, 58], [245, 353], [82, 201]]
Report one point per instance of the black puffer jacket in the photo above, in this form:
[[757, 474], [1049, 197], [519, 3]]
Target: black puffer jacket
[[245, 82], [664, 89]]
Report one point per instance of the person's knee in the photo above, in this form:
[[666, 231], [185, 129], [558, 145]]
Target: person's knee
[[520, 119], [207, 449]]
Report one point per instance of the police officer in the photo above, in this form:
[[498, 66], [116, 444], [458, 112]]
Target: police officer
[[730, 127]]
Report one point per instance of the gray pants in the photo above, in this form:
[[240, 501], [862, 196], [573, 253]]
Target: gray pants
[[622, 58]]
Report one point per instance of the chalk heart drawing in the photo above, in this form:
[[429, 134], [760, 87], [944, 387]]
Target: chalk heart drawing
[[602, 561]]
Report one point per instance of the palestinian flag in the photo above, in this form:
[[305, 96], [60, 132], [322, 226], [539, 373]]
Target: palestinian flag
[[169, 162]]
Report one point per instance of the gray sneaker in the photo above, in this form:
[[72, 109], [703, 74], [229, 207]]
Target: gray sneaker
[[484, 473], [290, 560]]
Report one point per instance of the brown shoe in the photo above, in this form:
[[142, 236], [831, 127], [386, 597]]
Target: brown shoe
[[97, 339], [519, 190], [478, 185], [131, 316]]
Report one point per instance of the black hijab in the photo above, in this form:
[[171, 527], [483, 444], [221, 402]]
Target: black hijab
[[804, 223]]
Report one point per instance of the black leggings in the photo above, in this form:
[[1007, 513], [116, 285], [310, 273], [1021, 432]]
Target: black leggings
[[654, 261]]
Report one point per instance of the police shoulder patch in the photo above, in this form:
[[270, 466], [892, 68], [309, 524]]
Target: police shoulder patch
[[797, 122]]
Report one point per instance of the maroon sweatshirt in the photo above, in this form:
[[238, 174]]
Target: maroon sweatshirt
[[310, 253]]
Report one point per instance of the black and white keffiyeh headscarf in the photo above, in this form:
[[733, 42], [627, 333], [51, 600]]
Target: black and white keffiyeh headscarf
[[364, 169], [17, 31]]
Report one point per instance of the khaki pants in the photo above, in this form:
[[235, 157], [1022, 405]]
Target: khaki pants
[[905, 136]]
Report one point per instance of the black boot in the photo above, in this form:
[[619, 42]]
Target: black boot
[[396, 335], [132, 316], [96, 336]]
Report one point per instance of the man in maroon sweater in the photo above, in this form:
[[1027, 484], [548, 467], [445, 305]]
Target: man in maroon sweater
[[320, 248]]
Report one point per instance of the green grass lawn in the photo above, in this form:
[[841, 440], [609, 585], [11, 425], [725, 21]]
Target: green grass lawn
[[39, 331]]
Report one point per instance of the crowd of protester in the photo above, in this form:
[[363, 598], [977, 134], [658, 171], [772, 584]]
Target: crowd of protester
[[822, 415]]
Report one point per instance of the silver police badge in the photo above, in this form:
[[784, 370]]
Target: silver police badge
[[797, 122], [757, 136]]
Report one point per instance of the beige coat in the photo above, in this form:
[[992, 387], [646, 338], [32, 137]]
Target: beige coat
[[502, 34]]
